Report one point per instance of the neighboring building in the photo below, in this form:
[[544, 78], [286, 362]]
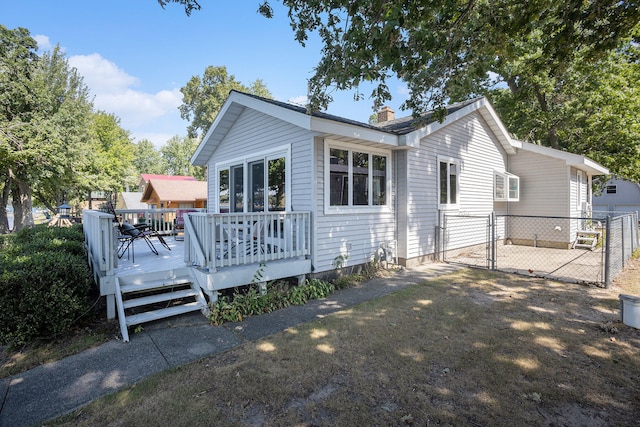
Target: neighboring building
[[130, 200], [146, 177], [618, 195], [172, 193], [387, 184]]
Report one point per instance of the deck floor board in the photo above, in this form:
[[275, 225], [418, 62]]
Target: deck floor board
[[146, 261]]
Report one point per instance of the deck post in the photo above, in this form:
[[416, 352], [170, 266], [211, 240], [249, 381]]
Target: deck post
[[111, 306], [301, 279]]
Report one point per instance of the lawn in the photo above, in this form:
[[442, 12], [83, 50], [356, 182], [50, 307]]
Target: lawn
[[472, 348]]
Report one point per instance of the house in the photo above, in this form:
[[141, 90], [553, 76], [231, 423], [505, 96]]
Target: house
[[618, 195], [146, 177], [130, 200], [384, 185], [292, 194], [175, 193]]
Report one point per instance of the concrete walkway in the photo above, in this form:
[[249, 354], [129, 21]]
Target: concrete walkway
[[57, 388]]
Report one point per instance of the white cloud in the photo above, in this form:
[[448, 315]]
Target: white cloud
[[43, 42], [102, 75], [158, 139], [114, 92], [299, 100]]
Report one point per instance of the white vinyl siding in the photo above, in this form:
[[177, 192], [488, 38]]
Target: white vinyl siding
[[471, 141], [544, 185], [545, 191]]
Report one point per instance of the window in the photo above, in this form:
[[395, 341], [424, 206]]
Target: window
[[448, 182], [612, 189], [254, 185], [223, 191], [356, 178], [506, 187], [579, 195]]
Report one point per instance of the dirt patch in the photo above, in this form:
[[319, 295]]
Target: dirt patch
[[471, 348]]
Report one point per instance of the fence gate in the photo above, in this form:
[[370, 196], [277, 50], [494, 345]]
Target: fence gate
[[576, 249], [466, 239]]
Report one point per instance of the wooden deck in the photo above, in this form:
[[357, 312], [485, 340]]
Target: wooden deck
[[218, 252], [141, 259]]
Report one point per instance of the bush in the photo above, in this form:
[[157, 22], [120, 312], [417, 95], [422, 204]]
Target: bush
[[278, 295], [44, 283]]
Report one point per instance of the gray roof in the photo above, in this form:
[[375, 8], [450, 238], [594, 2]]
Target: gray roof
[[400, 126]]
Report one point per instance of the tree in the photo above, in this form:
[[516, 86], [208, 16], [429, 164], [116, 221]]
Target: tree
[[43, 115], [203, 97], [434, 46], [113, 165], [177, 153], [589, 107], [147, 159]]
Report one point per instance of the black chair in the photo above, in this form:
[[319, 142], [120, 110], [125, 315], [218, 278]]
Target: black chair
[[150, 232], [129, 234]]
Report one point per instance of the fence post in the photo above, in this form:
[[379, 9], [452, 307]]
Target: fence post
[[492, 224], [607, 247], [624, 221], [439, 255]]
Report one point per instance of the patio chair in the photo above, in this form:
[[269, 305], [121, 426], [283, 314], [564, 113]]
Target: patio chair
[[258, 238], [178, 223], [129, 234]]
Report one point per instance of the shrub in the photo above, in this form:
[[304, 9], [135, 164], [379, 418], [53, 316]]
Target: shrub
[[44, 283], [279, 295]]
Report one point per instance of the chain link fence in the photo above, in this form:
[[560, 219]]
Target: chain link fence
[[591, 249]]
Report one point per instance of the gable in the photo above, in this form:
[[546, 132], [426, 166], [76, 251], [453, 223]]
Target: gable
[[175, 191]]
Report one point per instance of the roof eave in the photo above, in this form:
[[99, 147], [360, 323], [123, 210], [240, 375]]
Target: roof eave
[[348, 130], [576, 160]]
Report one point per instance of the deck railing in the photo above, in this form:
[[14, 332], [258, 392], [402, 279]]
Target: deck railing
[[100, 238], [213, 241], [162, 220]]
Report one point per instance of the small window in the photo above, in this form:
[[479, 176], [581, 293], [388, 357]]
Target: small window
[[448, 182], [612, 189], [506, 187]]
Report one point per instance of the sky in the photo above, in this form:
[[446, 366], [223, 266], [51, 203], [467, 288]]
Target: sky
[[135, 56]]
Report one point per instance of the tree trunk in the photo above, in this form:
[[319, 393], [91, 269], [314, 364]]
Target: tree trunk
[[22, 204], [544, 107], [4, 201]]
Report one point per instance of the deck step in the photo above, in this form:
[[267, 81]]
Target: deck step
[[155, 284], [151, 297], [162, 313], [154, 299], [586, 239]]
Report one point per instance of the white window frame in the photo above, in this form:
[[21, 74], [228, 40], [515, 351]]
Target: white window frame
[[350, 208], [266, 156], [579, 183], [507, 179], [449, 161]]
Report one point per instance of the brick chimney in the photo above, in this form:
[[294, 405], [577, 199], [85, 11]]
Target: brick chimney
[[385, 115]]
